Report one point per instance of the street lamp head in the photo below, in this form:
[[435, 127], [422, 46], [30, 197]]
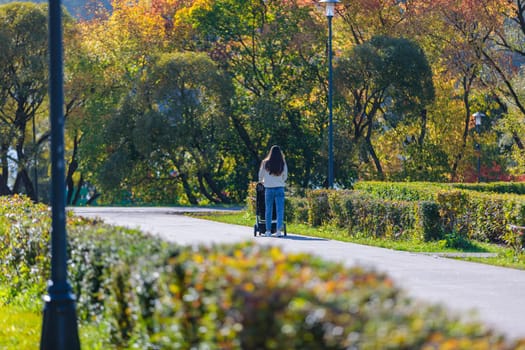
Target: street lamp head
[[330, 6], [477, 118]]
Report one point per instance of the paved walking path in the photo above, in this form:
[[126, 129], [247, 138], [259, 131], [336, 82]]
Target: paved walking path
[[495, 295]]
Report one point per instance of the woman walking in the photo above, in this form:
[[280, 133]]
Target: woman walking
[[273, 174]]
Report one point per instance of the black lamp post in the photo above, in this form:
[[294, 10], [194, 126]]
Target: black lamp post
[[59, 326], [330, 9], [477, 120]]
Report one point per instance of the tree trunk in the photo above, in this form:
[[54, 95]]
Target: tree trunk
[[308, 161], [72, 167], [93, 198], [467, 82], [187, 189], [215, 188], [4, 190], [422, 134], [76, 198], [70, 185], [372, 152], [205, 192], [245, 137], [518, 141], [23, 175], [4, 176], [24, 178]]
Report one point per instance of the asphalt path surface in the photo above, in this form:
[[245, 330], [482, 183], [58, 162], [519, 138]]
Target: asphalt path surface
[[493, 295]]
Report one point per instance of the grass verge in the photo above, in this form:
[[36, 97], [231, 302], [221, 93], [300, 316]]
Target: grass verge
[[504, 256], [21, 327]]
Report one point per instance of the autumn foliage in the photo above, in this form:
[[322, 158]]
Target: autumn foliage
[[274, 55]]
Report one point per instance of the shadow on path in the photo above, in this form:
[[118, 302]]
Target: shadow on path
[[300, 238]]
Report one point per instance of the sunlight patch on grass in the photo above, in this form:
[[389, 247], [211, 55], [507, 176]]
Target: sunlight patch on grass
[[19, 329]]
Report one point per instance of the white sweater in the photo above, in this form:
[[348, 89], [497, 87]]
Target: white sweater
[[271, 181]]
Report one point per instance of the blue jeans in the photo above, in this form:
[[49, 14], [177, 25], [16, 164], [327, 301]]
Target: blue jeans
[[274, 194]]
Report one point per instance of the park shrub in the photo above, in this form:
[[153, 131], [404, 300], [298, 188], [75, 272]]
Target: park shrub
[[495, 187], [430, 221], [154, 295], [24, 247], [251, 199], [454, 213], [341, 207], [476, 211], [480, 216], [492, 213], [363, 214], [383, 209], [318, 207], [515, 239], [406, 191], [104, 280], [383, 218], [489, 216], [248, 297], [296, 209], [453, 210]]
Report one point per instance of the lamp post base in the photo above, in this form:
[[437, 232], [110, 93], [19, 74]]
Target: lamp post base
[[59, 328]]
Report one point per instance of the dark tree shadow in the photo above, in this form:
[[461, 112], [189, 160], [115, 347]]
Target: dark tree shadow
[[301, 238]]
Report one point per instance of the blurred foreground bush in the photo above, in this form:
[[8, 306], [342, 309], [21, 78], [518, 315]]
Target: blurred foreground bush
[[149, 294]]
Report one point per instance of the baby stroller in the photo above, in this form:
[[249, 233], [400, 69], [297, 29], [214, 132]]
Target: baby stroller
[[260, 209]]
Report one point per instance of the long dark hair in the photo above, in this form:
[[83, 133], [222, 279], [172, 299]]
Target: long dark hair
[[274, 161]]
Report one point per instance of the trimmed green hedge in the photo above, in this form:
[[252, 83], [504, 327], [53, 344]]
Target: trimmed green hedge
[[418, 210], [24, 247], [367, 216], [430, 221], [425, 190], [407, 191], [496, 187], [155, 295]]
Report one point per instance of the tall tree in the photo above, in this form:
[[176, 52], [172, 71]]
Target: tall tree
[[104, 64], [23, 89], [505, 57], [364, 19], [381, 82], [174, 130], [454, 35], [274, 52]]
